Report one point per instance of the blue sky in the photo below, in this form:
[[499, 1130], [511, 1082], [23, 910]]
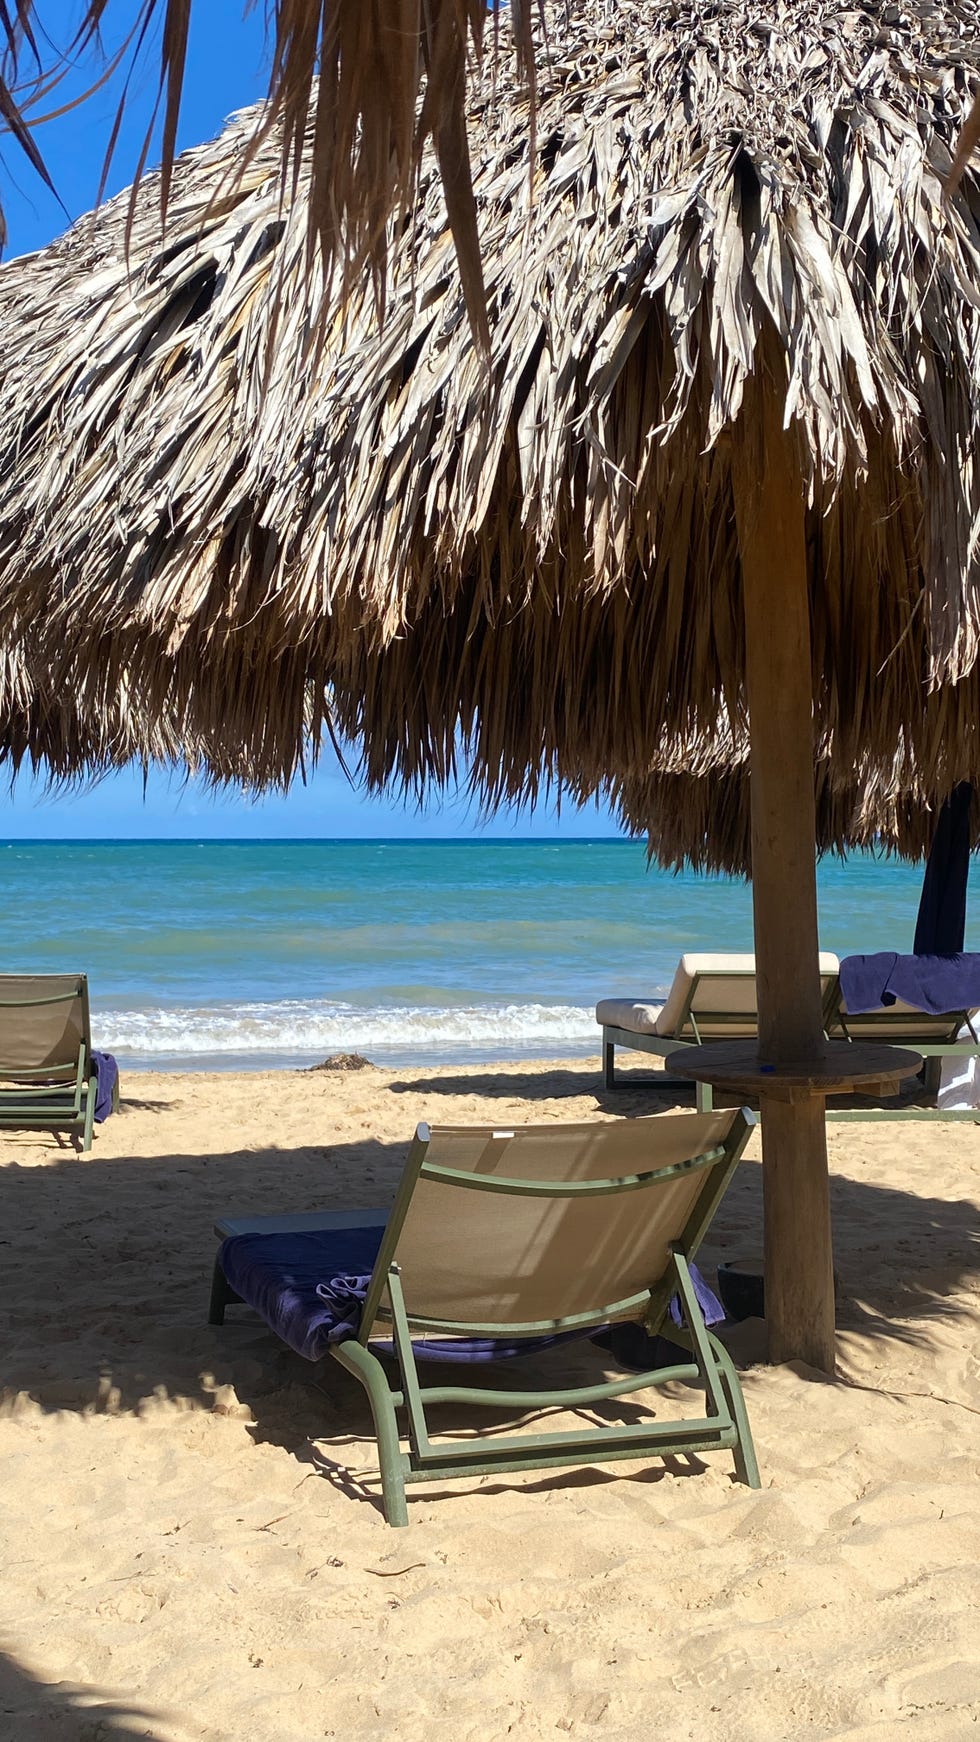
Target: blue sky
[[226, 70]]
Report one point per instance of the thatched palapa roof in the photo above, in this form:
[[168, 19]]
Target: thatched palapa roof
[[532, 556]]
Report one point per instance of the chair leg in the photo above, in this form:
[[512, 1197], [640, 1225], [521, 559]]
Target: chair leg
[[368, 1369], [608, 1064], [743, 1451], [704, 1097], [89, 1116], [932, 1070], [221, 1295]]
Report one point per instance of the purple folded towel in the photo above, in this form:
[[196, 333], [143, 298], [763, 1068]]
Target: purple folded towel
[[280, 1275], [310, 1287], [344, 1297], [106, 1078], [940, 985]]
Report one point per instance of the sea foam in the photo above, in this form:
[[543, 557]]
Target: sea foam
[[294, 1027]]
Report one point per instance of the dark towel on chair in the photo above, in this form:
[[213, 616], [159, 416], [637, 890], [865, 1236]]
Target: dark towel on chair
[[280, 1276], [633, 1348], [106, 1078], [310, 1288], [939, 985]]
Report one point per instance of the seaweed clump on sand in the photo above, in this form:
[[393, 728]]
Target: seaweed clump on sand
[[343, 1061]]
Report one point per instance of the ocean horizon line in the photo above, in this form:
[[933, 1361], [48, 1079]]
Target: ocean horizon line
[[321, 840]]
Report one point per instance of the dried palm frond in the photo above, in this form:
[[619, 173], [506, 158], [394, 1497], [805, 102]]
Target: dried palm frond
[[349, 73], [344, 106], [529, 558], [17, 43], [968, 142]]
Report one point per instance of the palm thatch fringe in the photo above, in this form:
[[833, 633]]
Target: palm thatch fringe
[[65, 740], [263, 524], [695, 811], [68, 738]]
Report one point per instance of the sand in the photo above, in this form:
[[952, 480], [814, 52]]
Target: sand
[[191, 1543]]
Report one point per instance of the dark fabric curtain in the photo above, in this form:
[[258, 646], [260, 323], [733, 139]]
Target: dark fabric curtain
[[940, 929]]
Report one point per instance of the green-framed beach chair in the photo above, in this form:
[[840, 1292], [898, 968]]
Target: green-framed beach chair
[[47, 1078], [712, 997], [514, 1235], [936, 1037]]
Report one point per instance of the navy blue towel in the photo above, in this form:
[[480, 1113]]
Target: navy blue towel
[[106, 1078], [309, 1288], [940, 985], [940, 928], [280, 1274]]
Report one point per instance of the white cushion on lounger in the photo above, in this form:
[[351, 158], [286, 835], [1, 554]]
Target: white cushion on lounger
[[636, 1018], [731, 989]]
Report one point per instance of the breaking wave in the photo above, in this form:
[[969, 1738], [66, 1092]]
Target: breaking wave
[[297, 1028]]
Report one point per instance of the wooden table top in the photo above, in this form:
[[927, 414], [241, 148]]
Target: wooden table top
[[845, 1066]]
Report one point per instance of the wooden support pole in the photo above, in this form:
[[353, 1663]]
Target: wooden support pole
[[798, 1251], [769, 512]]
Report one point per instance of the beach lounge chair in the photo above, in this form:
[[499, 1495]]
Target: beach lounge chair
[[48, 1080], [712, 997], [949, 1035], [496, 1241]]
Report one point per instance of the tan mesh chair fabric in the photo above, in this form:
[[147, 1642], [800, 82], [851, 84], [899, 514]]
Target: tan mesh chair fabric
[[43, 1021], [496, 1258]]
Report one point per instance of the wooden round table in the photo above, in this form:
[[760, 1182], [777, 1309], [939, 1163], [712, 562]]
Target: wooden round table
[[845, 1068]]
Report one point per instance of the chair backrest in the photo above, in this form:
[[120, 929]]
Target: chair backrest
[[542, 1225], [713, 996], [898, 1024], [44, 1020]]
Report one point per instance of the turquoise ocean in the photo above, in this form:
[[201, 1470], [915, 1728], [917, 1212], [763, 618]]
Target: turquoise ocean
[[232, 954]]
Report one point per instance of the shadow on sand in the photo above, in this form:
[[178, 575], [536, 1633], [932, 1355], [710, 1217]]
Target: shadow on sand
[[105, 1264], [636, 1092], [36, 1711]]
